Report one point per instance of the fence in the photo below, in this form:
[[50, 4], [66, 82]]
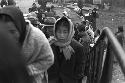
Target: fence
[[101, 58]]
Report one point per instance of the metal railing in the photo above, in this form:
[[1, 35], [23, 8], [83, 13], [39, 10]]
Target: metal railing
[[117, 48], [106, 44]]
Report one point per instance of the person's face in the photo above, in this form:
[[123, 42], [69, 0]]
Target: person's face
[[10, 26], [62, 33], [90, 11], [77, 25]]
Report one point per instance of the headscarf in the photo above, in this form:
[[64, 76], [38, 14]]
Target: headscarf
[[65, 47], [17, 16]]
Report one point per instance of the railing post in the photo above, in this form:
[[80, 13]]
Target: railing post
[[117, 48]]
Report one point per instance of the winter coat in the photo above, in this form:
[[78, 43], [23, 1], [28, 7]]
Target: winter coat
[[11, 2], [69, 71], [120, 37], [37, 53], [13, 67]]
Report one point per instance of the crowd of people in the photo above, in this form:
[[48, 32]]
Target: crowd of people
[[4, 3], [30, 54]]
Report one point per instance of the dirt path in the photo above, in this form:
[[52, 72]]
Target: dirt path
[[118, 76]]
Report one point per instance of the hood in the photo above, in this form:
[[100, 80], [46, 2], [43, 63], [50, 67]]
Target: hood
[[18, 19], [71, 27]]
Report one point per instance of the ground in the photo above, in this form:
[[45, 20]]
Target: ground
[[111, 19], [118, 76]]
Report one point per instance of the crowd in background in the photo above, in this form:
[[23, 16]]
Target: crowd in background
[[45, 48]]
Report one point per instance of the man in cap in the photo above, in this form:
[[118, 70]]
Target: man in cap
[[120, 35]]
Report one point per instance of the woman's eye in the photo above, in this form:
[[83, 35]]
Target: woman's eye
[[65, 31], [12, 31]]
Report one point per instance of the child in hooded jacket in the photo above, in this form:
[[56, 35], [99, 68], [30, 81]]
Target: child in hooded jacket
[[70, 55]]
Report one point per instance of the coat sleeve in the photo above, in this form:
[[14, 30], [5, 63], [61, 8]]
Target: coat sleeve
[[81, 62], [44, 59]]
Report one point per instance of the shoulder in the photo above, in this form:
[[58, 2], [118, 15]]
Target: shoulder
[[78, 47], [75, 44], [36, 34]]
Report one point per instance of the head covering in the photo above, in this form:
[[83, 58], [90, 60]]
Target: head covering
[[65, 47], [18, 19], [12, 63], [11, 2]]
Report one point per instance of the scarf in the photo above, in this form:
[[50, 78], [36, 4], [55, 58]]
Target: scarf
[[65, 46]]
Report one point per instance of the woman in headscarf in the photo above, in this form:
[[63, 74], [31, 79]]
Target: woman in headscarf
[[12, 65], [70, 56], [34, 45]]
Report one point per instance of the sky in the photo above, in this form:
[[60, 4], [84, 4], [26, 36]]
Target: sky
[[24, 5]]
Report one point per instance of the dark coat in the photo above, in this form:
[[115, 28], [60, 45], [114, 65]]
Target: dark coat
[[39, 15], [70, 71], [120, 37], [76, 33], [3, 2], [11, 2]]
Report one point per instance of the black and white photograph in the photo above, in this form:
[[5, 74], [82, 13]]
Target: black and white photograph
[[62, 41]]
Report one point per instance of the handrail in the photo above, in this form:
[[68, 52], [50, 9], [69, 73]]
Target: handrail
[[117, 48], [112, 45]]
